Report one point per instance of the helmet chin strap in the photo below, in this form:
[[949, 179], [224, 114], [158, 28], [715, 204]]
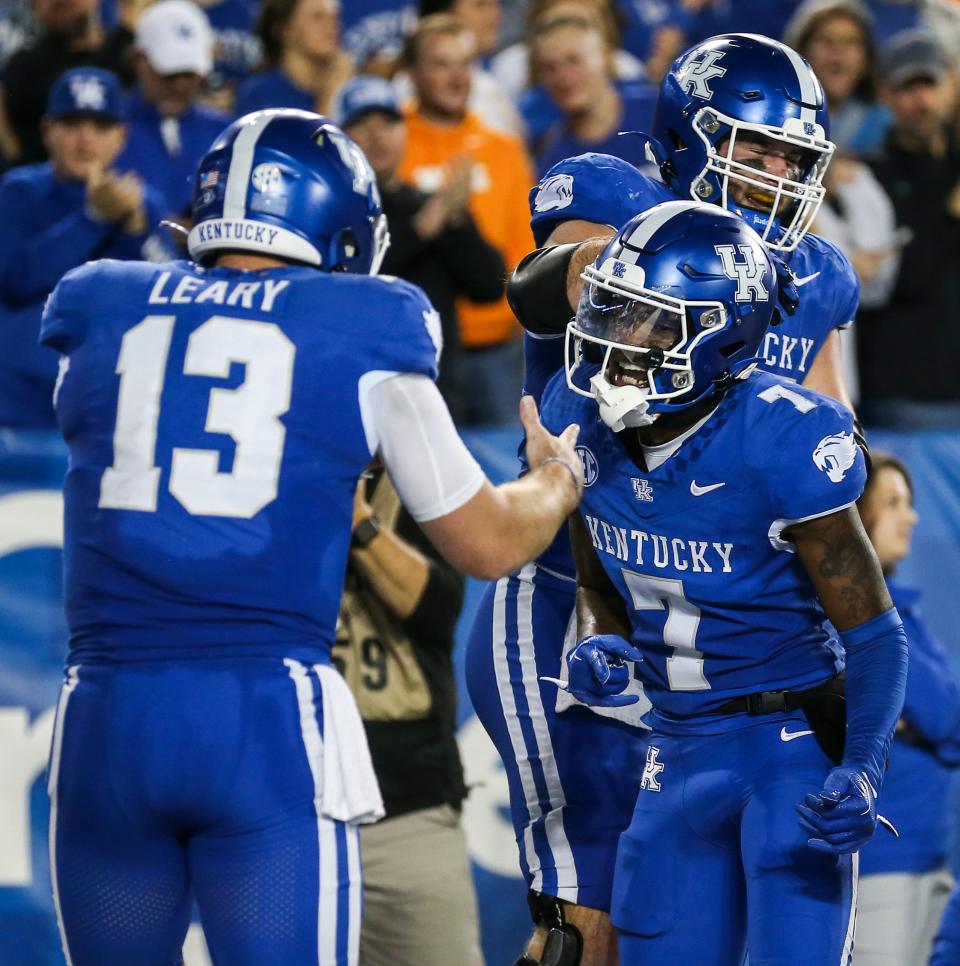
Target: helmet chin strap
[[621, 407]]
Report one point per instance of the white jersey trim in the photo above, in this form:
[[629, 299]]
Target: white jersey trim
[[778, 526]]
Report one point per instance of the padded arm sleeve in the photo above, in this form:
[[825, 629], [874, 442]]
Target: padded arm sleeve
[[876, 683], [431, 468], [537, 290]]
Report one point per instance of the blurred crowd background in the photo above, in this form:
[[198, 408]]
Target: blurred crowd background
[[461, 105]]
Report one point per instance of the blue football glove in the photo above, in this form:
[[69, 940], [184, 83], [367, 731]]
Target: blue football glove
[[597, 672], [843, 817]]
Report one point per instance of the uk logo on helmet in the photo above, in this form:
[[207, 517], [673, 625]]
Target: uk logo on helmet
[[697, 72], [745, 270]]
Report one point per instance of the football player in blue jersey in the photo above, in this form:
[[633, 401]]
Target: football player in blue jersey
[[717, 537], [741, 121], [219, 413]]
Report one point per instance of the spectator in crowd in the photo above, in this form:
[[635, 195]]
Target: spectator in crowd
[[573, 60], [919, 168], [434, 240], [835, 36], [858, 216], [440, 132], [237, 51], [512, 66], [57, 215], [305, 65], [905, 881], [394, 645], [71, 35], [169, 130], [488, 99]]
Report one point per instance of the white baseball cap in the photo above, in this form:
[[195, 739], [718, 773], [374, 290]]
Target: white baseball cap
[[176, 38]]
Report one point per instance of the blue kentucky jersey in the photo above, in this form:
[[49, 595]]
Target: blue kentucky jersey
[[214, 420], [608, 191], [718, 603]]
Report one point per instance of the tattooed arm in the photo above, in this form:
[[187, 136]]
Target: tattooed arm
[[846, 574], [600, 608], [842, 564]]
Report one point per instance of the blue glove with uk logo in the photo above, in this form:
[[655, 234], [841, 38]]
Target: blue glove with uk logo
[[597, 671]]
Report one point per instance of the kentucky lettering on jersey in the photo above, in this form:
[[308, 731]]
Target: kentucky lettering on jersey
[[719, 603], [639, 547]]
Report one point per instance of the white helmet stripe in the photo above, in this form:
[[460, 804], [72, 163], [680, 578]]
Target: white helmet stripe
[[241, 163], [658, 217], [808, 86]]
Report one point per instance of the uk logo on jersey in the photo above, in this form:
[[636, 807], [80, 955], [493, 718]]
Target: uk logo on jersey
[[696, 74], [642, 490], [745, 270], [591, 469], [834, 455], [651, 770]]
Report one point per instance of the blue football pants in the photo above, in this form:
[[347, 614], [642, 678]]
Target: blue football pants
[[715, 863], [170, 782], [573, 775]]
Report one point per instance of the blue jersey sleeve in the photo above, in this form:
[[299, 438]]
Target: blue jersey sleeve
[[842, 285], [815, 466], [65, 316], [407, 335], [591, 187]]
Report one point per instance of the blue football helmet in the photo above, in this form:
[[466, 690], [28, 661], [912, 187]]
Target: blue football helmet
[[727, 92], [672, 312], [289, 184]]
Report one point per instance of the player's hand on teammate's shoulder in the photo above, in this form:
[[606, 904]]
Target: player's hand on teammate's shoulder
[[598, 672], [545, 448]]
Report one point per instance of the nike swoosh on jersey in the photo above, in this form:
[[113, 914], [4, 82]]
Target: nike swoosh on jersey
[[790, 735], [806, 278], [697, 490]]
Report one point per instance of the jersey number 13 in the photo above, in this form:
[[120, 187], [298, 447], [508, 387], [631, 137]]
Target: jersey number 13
[[249, 414]]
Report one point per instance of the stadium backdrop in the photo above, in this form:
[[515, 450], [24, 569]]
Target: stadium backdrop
[[32, 636]]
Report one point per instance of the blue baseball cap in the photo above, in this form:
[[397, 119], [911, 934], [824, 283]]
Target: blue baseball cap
[[365, 95], [87, 92]]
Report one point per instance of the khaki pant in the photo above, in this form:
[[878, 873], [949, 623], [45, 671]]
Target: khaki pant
[[419, 904], [898, 916]]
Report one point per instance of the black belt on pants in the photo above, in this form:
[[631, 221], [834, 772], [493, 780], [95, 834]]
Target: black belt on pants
[[768, 702]]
